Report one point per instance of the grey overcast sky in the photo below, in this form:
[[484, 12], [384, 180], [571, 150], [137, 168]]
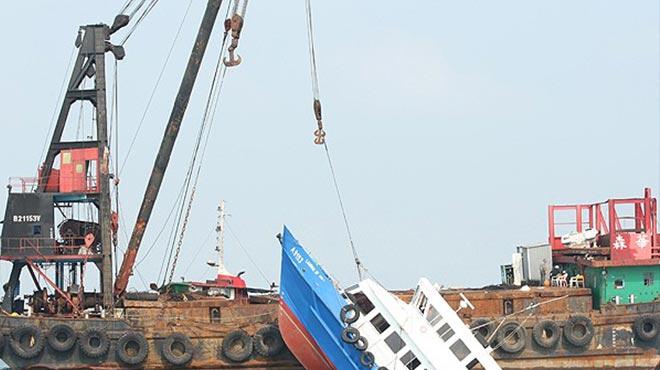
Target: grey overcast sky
[[453, 124]]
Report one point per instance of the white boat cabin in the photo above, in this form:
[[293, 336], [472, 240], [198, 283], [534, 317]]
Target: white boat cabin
[[424, 334]]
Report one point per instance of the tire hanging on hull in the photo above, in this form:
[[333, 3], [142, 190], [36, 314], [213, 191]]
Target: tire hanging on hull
[[94, 343], [578, 331], [268, 341], [177, 356], [512, 329], [237, 346], [61, 338], [647, 327], [484, 329], [30, 348], [546, 334], [139, 351]]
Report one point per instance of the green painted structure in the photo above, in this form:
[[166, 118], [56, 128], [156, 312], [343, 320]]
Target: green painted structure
[[631, 284]]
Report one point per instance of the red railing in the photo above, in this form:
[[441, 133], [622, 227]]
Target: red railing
[[85, 184], [42, 247], [619, 223]]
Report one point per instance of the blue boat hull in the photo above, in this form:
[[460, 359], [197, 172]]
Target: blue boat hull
[[311, 304]]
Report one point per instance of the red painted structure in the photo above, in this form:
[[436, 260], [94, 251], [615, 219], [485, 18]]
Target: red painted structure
[[236, 283], [627, 226], [300, 342], [223, 281], [79, 170]]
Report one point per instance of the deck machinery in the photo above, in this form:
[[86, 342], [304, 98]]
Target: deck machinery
[[60, 226], [64, 217]]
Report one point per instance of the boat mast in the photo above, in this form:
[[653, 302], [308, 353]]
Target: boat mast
[[167, 145], [220, 247]]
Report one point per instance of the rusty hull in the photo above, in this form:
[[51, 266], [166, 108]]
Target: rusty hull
[[614, 344], [157, 320]]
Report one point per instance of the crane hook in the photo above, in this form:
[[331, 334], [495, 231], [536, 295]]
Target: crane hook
[[319, 134], [236, 26], [234, 59]]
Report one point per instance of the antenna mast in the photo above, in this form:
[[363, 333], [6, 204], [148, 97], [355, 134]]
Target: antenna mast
[[220, 239]]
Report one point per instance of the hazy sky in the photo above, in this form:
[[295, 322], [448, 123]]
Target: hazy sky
[[452, 125]]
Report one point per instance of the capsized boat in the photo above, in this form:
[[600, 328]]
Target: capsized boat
[[366, 326]]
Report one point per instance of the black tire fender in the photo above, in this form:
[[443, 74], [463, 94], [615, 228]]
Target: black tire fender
[[367, 359], [170, 354], [61, 338], [572, 335], [484, 328], [23, 351], [361, 344], [350, 335], [237, 346], [268, 341], [540, 333], [349, 314], [132, 348], [508, 331], [94, 343], [646, 327]]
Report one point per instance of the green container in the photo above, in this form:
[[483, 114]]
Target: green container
[[623, 284]]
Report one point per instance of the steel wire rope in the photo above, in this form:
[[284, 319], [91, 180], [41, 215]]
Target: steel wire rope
[[141, 18], [115, 158], [153, 92], [249, 256], [212, 101], [199, 250], [127, 4], [172, 238], [167, 220], [58, 103], [136, 9], [511, 333], [316, 93], [530, 307]]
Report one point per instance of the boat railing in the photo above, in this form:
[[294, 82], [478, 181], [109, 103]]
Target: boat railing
[[65, 184], [41, 247]]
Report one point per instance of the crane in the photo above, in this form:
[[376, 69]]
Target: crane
[[167, 144]]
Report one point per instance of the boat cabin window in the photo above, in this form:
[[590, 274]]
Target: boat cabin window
[[433, 316], [648, 279], [508, 306], [395, 342], [473, 363], [380, 323], [410, 360], [422, 302], [214, 313], [619, 284], [363, 303], [460, 350], [445, 332]]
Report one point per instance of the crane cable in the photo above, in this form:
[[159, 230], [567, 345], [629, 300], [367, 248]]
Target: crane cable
[[320, 132], [141, 17], [155, 88], [207, 120]]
